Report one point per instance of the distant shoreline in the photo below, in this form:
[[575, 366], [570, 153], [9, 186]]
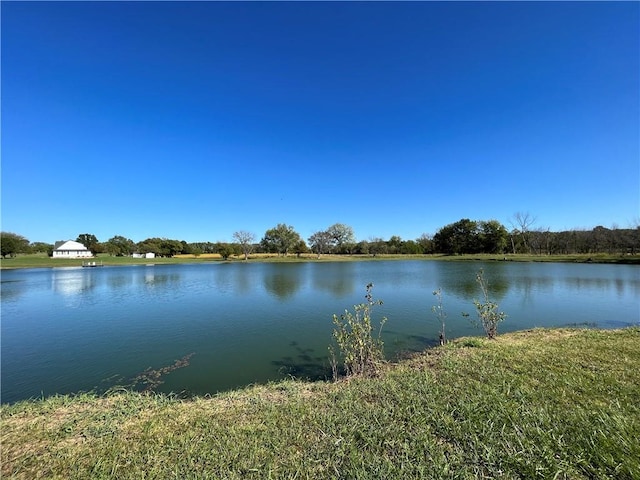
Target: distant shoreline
[[42, 261]]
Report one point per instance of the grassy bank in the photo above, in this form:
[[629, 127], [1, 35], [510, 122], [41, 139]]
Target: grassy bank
[[43, 261], [536, 404]]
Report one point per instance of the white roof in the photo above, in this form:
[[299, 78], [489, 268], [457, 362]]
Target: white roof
[[71, 245]]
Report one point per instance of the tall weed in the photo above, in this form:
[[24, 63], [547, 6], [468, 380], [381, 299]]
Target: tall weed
[[360, 350], [488, 314]]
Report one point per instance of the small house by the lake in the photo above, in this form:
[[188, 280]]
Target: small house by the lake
[[71, 249]]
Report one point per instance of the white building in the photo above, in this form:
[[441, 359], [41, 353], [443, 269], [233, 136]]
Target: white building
[[144, 255], [71, 249]]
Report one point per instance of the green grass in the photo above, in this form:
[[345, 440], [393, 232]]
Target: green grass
[[538, 404], [42, 261]]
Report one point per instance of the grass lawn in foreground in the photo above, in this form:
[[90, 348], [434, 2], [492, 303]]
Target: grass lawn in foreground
[[545, 403]]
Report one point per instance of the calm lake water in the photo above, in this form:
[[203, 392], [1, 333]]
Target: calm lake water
[[78, 329]]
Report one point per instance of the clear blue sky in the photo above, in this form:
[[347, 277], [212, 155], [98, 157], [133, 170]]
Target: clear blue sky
[[193, 120]]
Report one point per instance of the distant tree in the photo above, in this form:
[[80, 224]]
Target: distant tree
[[163, 247], [426, 243], [12, 244], [41, 247], [149, 245], [410, 247], [320, 242], [459, 237], [245, 240], [377, 246], [300, 247], [186, 248], [342, 235], [202, 247], [169, 248], [522, 222], [225, 251], [493, 236], [90, 241], [119, 246], [394, 244], [362, 247], [280, 239]]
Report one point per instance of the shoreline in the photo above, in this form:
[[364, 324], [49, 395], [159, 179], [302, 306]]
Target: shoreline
[[444, 409], [39, 261]]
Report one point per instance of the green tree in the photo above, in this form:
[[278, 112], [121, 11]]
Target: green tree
[[90, 241], [41, 247], [120, 246], [280, 239], [459, 237], [494, 236], [341, 235], [225, 251], [426, 243], [320, 242], [394, 244], [300, 247], [12, 244]]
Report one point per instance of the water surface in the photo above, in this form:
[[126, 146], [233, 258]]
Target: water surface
[[77, 329]]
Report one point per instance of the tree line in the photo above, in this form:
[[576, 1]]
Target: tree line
[[462, 237]]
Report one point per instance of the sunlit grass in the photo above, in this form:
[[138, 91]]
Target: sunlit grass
[[537, 404]]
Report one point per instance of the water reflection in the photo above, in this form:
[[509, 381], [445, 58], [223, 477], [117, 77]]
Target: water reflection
[[72, 282], [335, 278], [283, 282], [120, 320], [119, 281]]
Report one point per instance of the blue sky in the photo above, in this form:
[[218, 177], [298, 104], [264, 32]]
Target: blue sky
[[194, 120]]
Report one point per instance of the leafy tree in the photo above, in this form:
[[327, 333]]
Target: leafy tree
[[12, 244], [225, 251], [120, 246], [394, 244], [410, 247], [425, 241], [362, 247], [280, 239], [245, 239], [456, 238], [321, 242], [342, 235], [493, 236], [169, 248], [90, 241], [300, 247], [377, 246], [41, 247], [163, 247], [149, 245]]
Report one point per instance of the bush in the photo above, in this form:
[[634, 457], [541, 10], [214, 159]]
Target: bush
[[488, 313], [360, 352]]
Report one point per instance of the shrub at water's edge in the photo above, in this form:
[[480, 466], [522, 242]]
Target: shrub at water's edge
[[545, 403]]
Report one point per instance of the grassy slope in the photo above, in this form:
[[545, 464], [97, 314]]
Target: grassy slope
[[537, 404]]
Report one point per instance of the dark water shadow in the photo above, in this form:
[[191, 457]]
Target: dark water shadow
[[304, 365]]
